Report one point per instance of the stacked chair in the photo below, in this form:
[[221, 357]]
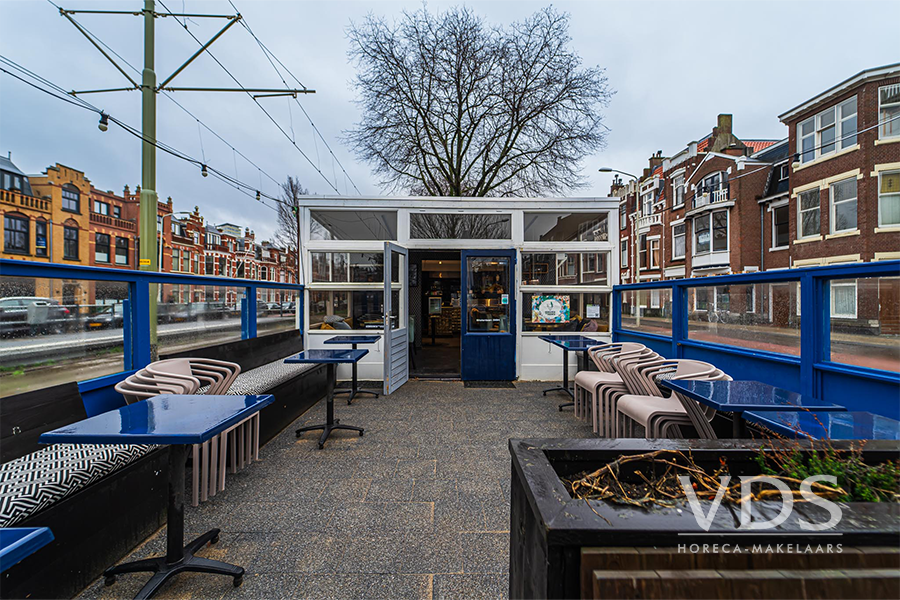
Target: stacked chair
[[190, 376], [625, 391]]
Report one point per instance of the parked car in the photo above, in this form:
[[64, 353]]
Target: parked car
[[32, 314], [111, 316]]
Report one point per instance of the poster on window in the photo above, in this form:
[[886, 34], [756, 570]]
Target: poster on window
[[550, 309]]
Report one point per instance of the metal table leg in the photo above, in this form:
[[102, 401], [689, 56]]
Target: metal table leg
[[330, 422], [354, 388], [179, 557], [565, 382]]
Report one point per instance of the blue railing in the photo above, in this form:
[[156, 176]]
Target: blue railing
[[136, 308], [809, 366]]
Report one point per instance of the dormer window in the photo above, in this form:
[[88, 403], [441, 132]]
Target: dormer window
[[71, 198], [889, 111]]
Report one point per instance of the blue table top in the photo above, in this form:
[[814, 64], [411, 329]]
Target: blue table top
[[166, 419], [325, 355], [571, 342], [17, 543], [353, 339], [740, 396], [827, 425]]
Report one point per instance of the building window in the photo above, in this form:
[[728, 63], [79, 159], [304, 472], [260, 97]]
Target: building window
[[678, 241], [70, 243], [210, 265], [121, 251], [781, 230], [565, 268], [561, 227], [40, 238], [101, 208], [784, 172], [711, 232], [678, 187], [889, 198], [843, 299], [830, 130], [588, 312], [222, 271], [623, 254], [654, 253], [623, 216], [117, 212], [889, 111], [642, 251], [71, 198], [647, 203], [15, 234], [843, 205], [175, 258], [101, 248], [808, 214]]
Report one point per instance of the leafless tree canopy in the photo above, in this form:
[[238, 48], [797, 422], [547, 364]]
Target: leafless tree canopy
[[291, 190], [454, 107]]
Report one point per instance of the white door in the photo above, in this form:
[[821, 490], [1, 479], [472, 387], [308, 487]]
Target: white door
[[396, 311]]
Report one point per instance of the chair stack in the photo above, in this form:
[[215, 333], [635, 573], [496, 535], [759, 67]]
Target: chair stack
[[625, 392], [190, 376]]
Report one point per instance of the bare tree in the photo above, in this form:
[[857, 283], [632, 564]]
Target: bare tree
[[454, 107], [291, 191]]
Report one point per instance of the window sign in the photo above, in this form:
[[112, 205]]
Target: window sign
[[593, 311], [550, 309]]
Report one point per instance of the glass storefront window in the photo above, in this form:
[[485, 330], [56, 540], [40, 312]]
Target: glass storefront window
[[352, 225], [488, 295], [565, 312], [566, 227], [459, 226], [649, 311], [565, 268], [865, 322], [344, 267], [357, 309]]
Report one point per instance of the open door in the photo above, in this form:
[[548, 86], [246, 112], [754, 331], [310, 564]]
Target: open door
[[396, 310], [488, 315]]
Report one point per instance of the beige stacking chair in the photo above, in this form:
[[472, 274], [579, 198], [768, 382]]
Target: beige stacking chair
[[605, 398], [242, 440], [661, 416]]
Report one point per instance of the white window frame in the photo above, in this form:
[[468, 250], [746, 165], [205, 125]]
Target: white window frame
[[838, 117], [774, 245], [832, 206], [647, 203], [709, 216], [843, 284], [881, 174], [677, 184], [653, 244], [623, 254], [675, 235], [895, 125], [800, 211]]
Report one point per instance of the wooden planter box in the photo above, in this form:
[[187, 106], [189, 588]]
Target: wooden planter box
[[552, 534]]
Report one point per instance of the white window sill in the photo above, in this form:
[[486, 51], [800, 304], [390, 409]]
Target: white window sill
[[889, 228], [842, 234], [677, 258], [891, 140], [779, 249], [677, 206], [821, 159], [815, 238]]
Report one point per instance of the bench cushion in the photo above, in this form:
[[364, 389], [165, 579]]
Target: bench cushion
[[35, 481], [269, 376]]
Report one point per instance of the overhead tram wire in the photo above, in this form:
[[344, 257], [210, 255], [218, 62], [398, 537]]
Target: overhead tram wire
[[172, 99], [57, 91], [270, 56], [261, 107]]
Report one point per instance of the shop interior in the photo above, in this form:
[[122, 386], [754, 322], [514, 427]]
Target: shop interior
[[434, 305]]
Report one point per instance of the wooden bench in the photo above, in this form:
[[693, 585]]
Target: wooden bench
[[79, 492]]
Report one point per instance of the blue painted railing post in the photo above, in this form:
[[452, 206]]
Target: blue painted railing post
[[822, 341], [140, 311], [679, 319], [252, 311], [301, 313], [809, 326], [616, 314], [127, 329], [245, 319]]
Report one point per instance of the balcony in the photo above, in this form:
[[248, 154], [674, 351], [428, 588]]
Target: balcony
[[647, 221], [705, 197], [113, 222], [20, 200]]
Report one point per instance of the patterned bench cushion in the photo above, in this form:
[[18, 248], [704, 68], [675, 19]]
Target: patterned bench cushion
[[264, 378], [35, 481]]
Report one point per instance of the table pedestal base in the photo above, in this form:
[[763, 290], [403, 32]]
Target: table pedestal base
[[565, 385], [178, 558], [163, 570], [354, 389], [330, 423]]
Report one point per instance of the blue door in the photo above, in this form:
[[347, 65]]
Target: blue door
[[488, 315]]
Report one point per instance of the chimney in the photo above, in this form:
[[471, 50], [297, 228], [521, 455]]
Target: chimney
[[616, 185], [723, 124], [655, 161]]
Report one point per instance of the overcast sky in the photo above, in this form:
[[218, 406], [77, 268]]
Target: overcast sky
[[674, 66]]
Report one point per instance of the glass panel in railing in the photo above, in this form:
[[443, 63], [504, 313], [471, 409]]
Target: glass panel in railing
[[761, 316], [649, 311], [55, 331], [865, 322], [194, 316], [276, 310]]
